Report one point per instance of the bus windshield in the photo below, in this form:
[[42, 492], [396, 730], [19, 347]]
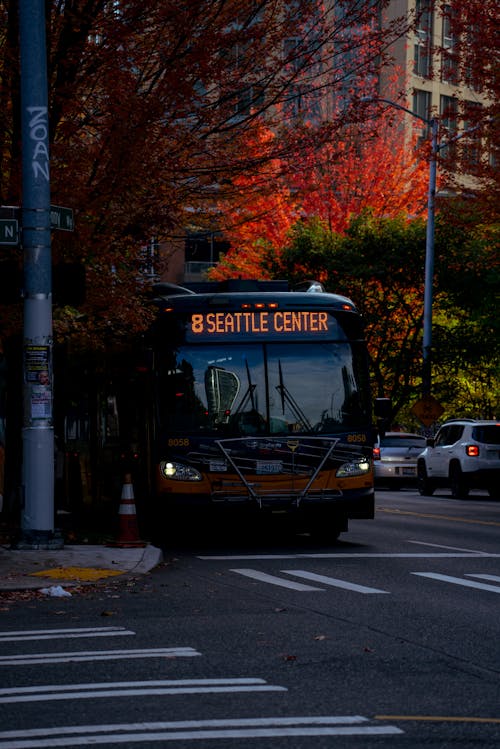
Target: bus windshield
[[262, 388]]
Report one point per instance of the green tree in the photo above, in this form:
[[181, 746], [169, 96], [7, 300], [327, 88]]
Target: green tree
[[379, 263]]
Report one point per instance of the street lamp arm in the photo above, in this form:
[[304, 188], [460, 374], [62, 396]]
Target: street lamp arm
[[374, 99]]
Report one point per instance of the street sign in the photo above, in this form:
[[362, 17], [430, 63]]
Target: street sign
[[9, 233], [10, 215], [61, 218], [427, 410]]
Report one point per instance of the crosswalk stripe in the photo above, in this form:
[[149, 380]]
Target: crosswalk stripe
[[274, 580], [95, 655], [234, 728], [134, 689], [493, 578], [333, 581], [459, 581], [53, 634]]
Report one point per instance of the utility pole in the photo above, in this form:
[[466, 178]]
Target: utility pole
[[37, 516]]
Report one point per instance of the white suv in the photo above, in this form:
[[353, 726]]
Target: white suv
[[465, 454]]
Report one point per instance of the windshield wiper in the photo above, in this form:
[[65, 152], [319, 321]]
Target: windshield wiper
[[287, 397]]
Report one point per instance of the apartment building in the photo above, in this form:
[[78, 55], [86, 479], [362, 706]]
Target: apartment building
[[431, 68]]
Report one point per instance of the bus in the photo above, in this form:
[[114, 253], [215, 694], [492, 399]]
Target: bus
[[260, 402]]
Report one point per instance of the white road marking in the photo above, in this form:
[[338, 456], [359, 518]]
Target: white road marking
[[274, 580], [451, 548], [459, 581], [53, 634], [493, 578], [333, 581], [354, 555], [53, 692], [95, 655], [341, 725]]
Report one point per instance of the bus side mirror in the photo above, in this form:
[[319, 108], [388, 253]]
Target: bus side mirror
[[383, 407], [383, 412]]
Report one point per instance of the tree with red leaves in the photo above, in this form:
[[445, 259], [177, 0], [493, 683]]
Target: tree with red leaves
[[150, 108], [469, 165], [361, 169]]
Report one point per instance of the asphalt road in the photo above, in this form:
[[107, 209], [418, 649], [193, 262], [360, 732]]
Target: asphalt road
[[245, 638]]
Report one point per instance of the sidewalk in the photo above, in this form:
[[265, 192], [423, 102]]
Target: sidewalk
[[72, 565]]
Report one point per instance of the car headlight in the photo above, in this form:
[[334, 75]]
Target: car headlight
[[353, 468], [179, 471]]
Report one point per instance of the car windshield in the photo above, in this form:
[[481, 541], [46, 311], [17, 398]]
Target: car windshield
[[488, 434], [263, 389], [403, 441]]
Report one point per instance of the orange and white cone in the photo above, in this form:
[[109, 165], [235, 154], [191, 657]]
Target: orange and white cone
[[128, 530]]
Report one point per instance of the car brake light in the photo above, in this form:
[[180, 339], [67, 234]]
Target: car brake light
[[472, 451], [376, 453]]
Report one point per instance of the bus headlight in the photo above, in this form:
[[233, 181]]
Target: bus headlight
[[179, 471], [356, 467]]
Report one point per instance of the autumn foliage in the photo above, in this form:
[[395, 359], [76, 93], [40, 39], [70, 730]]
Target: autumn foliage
[[151, 107], [371, 167]]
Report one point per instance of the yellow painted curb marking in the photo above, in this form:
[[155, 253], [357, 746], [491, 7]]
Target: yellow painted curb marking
[[76, 573]]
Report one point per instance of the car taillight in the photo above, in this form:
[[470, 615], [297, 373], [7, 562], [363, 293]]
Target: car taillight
[[472, 451], [376, 453]]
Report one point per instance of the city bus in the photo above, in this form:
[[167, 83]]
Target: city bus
[[260, 402]]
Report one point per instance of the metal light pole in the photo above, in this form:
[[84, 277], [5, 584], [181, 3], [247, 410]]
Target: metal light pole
[[37, 519], [429, 261], [432, 123]]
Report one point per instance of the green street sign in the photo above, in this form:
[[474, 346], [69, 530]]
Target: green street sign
[[61, 218], [9, 233]]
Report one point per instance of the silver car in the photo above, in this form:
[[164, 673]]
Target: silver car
[[395, 458]]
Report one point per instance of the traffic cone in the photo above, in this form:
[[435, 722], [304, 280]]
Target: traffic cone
[[128, 531]]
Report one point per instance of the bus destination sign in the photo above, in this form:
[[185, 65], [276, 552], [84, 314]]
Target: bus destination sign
[[262, 323]]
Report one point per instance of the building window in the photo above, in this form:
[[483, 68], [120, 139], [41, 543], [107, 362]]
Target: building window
[[422, 103], [449, 57], [421, 60], [448, 110], [473, 68], [422, 50], [471, 143], [422, 108]]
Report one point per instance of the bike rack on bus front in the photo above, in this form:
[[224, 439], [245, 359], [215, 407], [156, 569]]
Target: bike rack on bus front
[[259, 499]]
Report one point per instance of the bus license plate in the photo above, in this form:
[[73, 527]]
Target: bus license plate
[[269, 466], [217, 466]]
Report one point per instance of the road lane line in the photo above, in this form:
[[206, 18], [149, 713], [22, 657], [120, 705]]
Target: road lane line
[[459, 581], [95, 655], [348, 555], [274, 580], [453, 518], [442, 546], [333, 581]]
